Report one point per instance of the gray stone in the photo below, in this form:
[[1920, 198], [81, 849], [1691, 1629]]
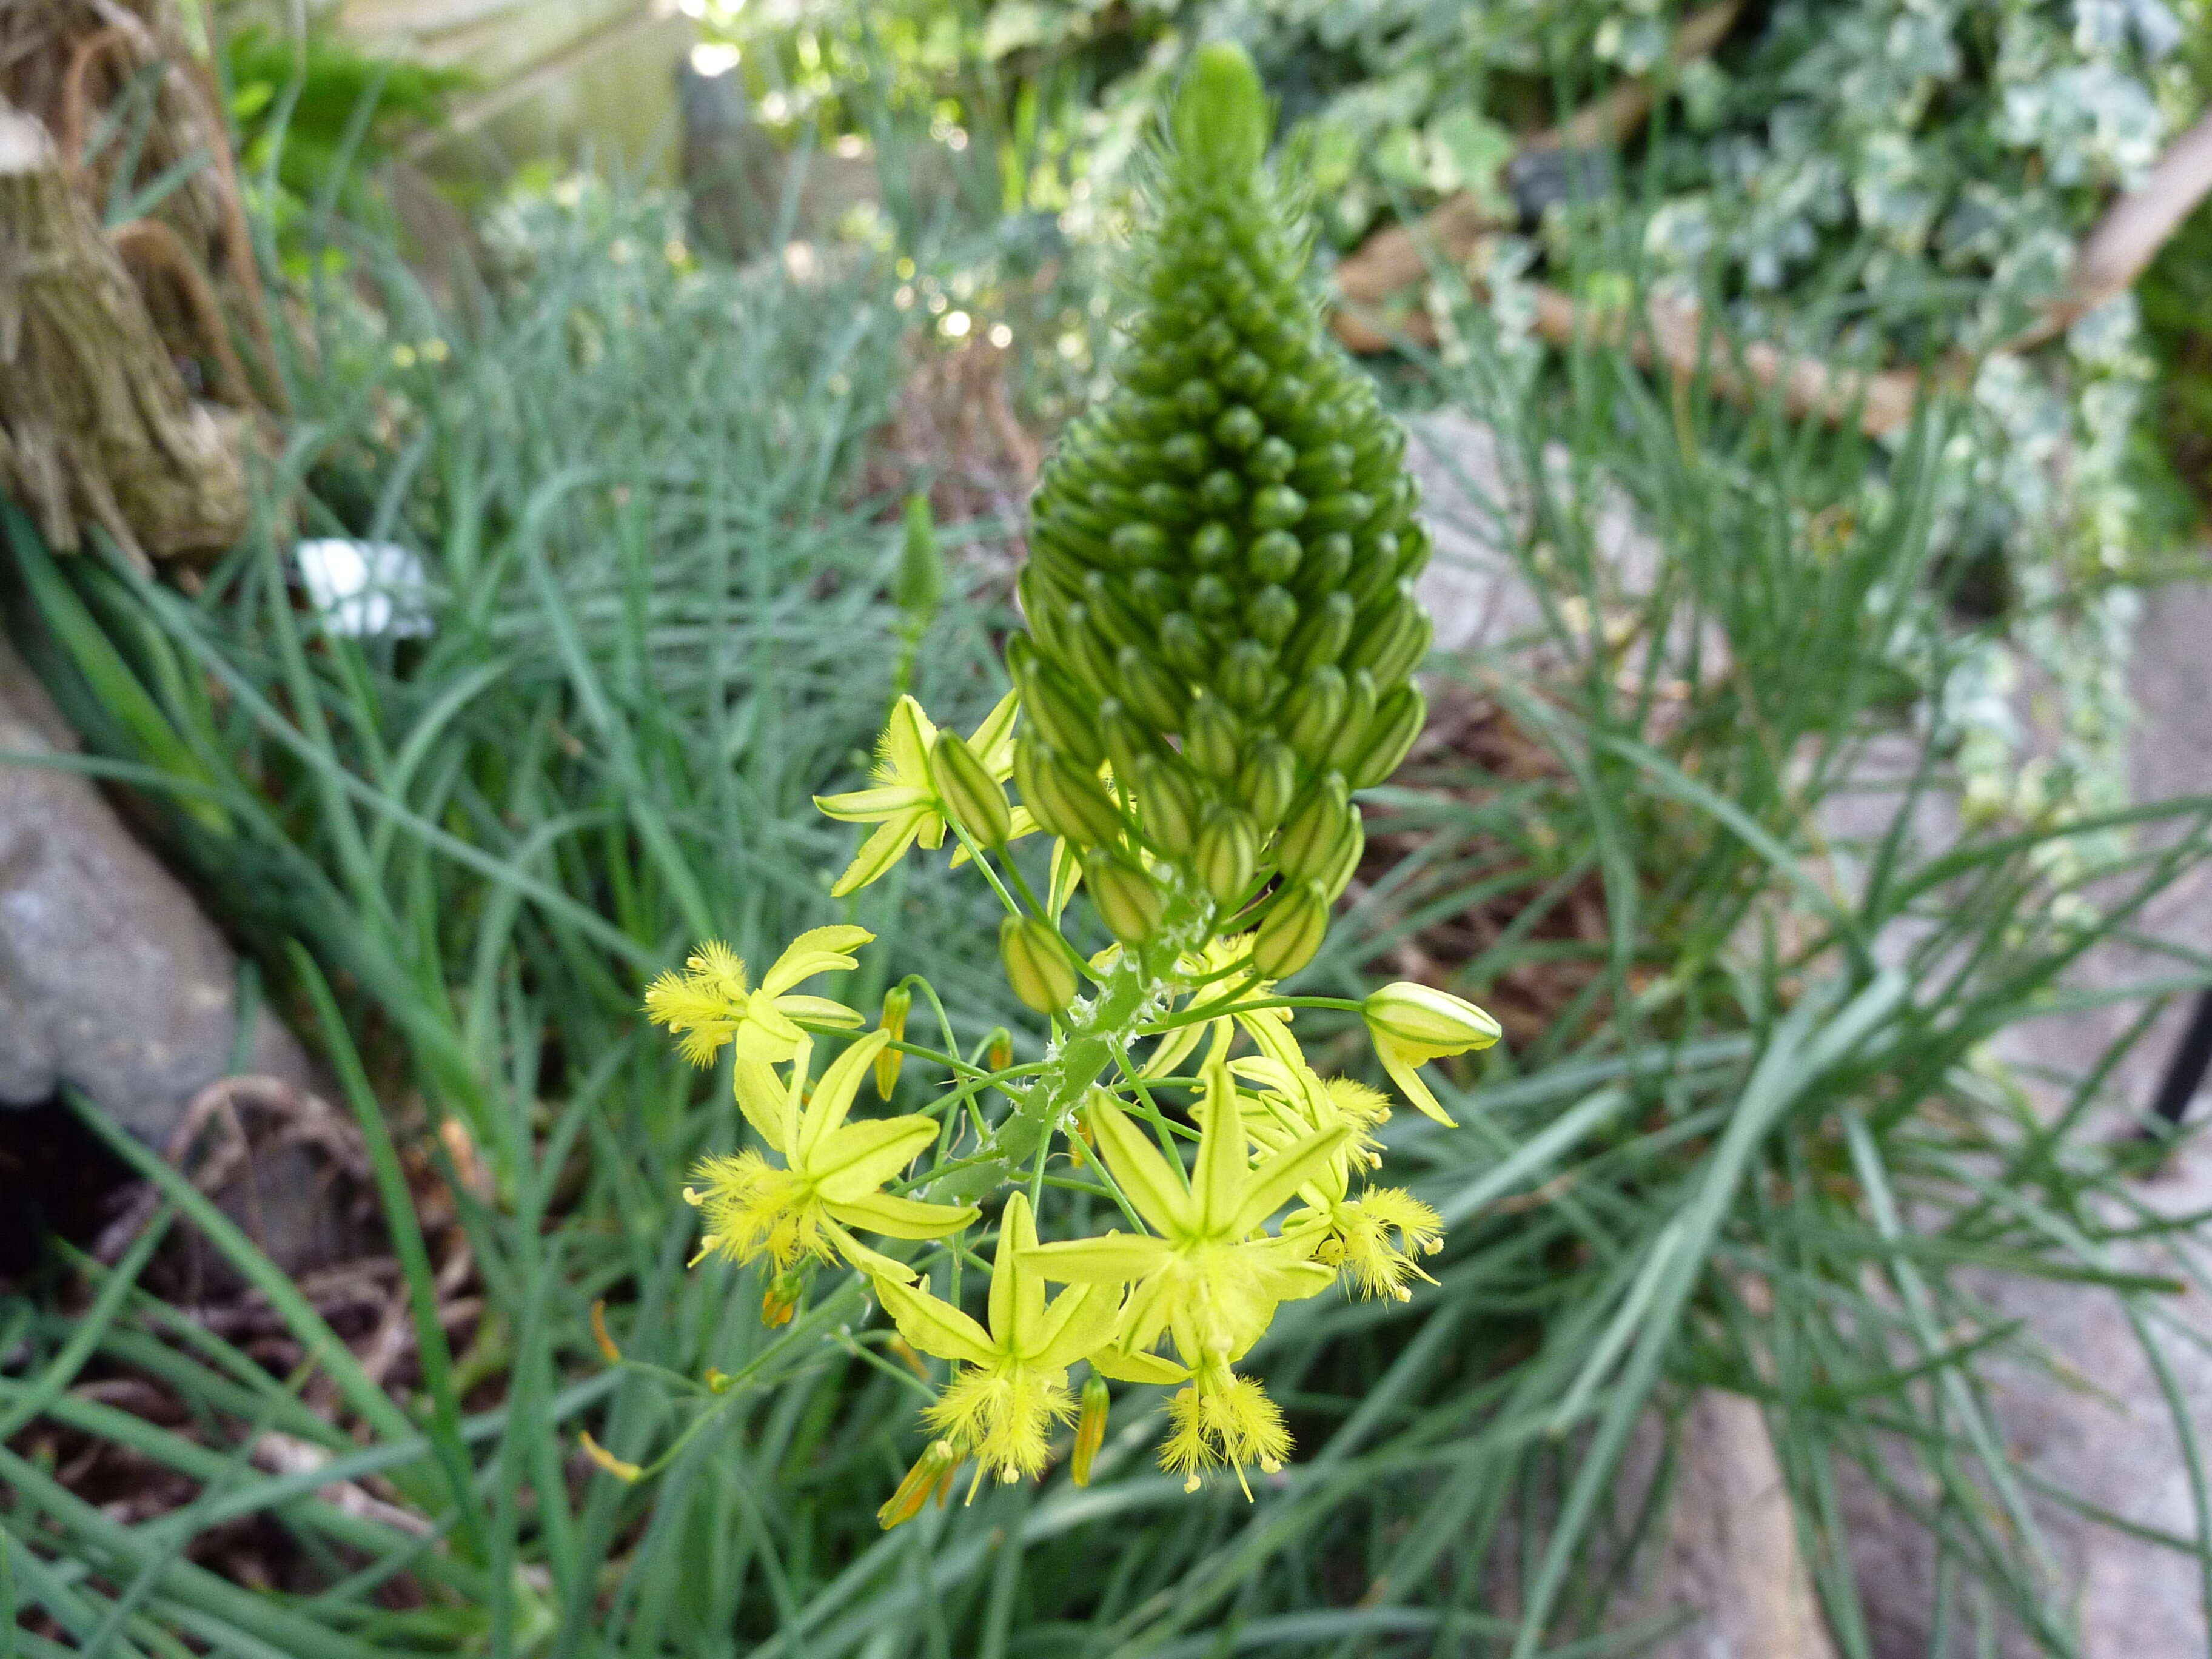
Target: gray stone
[[113, 982], [1729, 1563], [111, 979]]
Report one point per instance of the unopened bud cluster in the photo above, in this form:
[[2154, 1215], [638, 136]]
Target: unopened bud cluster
[[1219, 588]]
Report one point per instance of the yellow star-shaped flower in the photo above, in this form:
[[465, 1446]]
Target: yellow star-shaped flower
[[904, 803], [1209, 1276], [1012, 1386], [711, 1004], [1373, 1239], [832, 1173]]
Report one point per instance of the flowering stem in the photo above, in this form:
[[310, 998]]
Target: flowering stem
[[898, 1374], [833, 1306], [1161, 1127], [944, 1020], [1214, 1011], [975, 856]]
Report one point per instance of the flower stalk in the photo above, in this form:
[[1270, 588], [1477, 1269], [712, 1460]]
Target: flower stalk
[[1220, 635]]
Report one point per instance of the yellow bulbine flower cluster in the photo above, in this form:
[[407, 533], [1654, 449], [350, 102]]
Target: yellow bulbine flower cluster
[[1011, 1388], [1208, 1276], [711, 1005], [831, 1176], [1276, 1204]]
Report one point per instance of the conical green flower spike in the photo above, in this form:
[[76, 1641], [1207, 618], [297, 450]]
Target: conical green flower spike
[[1220, 586]]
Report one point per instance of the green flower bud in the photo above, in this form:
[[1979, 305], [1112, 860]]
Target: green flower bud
[[1221, 115], [1276, 507], [1228, 852], [1308, 844], [1225, 524], [1087, 649], [1063, 796], [1220, 491], [1342, 509], [973, 799], [1113, 614], [1275, 557], [1156, 695], [1390, 638], [1314, 710], [1432, 1024], [1320, 640], [1127, 742], [1247, 677], [1328, 561], [1211, 736], [1057, 709], [1343, 857], [1267, 781], [1185, 644], [1396, 724], [1292, 932], [1272, 614], [1273, 460], [1037, 965], [1351, 738], [1414, 548], [1238, 427], [1129, 901], [1168, 796], [897, 1001]]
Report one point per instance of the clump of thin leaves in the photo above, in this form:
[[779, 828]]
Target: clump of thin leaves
[[1756, 1147]]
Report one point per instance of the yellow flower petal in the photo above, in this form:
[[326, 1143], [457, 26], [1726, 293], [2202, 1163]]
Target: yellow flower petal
[[1173, 1048], [993, 740], [833, 1097], [1113, 1259], [1124, 1366], [816, 951], [1078, 1321], [879, 852], [1144, 1177], [904, 747], [880, 1268], [1405, 1074], [1016, 1305], [872, 805], [936, 1327], [903, 1218], [769, 1104], [1218, 1182], [1272, 1183], [860, 1156]]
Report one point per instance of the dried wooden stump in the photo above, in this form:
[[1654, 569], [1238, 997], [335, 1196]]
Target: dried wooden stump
[[96, 423]]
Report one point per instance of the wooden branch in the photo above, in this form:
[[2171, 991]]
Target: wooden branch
[[2126, 240], [2130, 234], [1398, 256], [96, 422]]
